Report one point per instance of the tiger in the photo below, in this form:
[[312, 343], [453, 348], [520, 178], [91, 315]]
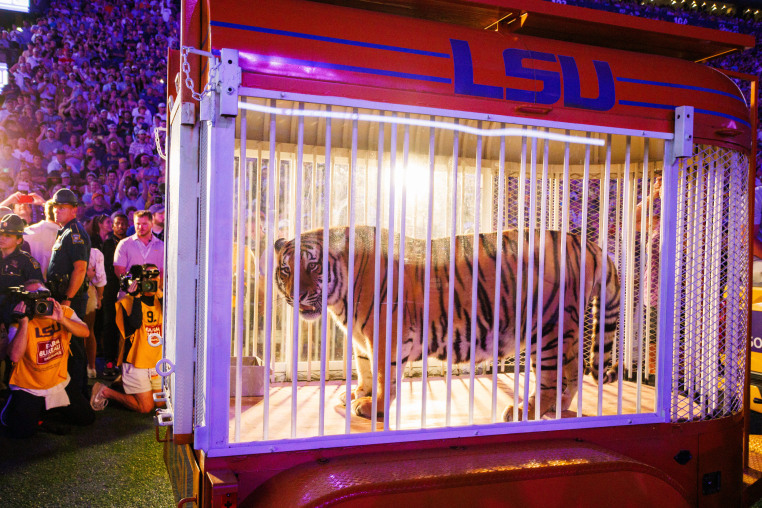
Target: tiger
[[337, 280]]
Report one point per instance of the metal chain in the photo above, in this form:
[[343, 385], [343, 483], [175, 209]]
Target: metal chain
[[157, 139], [210, 83]]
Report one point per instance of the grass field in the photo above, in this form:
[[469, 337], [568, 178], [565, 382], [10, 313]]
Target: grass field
[[116, 463]]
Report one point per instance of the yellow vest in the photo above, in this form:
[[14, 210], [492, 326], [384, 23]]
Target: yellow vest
[[44, 363], [147, 341]]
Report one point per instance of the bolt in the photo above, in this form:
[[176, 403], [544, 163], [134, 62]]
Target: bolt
[[230, 90]]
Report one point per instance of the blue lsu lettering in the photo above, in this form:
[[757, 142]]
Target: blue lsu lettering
[[551, 80], [47, 331]]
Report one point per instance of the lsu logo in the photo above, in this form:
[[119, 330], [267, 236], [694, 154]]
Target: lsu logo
[[553, 82], [47, 331]]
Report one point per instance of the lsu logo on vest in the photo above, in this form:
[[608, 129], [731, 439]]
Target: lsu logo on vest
[[552, 82]]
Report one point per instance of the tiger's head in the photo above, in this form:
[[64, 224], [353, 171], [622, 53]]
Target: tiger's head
[[310, 277]]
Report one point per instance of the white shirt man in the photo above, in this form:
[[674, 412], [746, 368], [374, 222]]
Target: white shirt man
[[141, 248], [41, 237]]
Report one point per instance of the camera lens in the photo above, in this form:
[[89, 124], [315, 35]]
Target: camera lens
[[41, 308]]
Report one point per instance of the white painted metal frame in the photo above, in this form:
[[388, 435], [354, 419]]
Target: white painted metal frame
[[181, 272]]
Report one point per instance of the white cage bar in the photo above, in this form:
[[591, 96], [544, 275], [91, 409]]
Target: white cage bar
[[424, 185]]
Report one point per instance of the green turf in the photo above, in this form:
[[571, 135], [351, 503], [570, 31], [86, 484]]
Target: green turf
[[114, 462]]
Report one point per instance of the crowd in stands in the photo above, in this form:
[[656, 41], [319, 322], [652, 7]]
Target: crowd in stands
[[703, 14], [84, 103]]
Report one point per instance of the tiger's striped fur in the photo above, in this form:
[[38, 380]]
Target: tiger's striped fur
[[338, 280]]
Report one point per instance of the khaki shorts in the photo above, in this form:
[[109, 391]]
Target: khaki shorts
[[137, 380]]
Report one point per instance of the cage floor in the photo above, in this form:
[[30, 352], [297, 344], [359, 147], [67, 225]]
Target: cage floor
[[281, 425]]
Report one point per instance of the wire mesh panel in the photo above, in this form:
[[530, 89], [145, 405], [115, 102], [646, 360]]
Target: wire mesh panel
[[486, 273], [201, 341], [711, 285]]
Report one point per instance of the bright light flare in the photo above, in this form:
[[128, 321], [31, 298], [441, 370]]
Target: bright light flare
[[364, 117]]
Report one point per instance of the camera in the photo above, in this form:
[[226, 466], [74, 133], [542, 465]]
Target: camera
[[143, 275], [37, 302]]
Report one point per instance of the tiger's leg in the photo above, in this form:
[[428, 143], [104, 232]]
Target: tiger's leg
[[570, 367], [610, 326], [548, 384], [363, 356], [363, 405]]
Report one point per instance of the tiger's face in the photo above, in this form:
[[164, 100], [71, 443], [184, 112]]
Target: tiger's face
[[310, 275]]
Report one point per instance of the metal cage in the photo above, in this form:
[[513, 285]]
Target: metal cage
[[421, 175]]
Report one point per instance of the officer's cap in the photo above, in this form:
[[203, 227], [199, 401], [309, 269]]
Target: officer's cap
[[65, 197], [12, 224]]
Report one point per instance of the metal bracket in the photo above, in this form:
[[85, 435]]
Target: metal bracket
[[206, 108], [683, 131], [188, 113], [163, 418], [229, 75]]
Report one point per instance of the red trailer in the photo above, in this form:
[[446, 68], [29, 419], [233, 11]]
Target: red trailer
[[387, 143]]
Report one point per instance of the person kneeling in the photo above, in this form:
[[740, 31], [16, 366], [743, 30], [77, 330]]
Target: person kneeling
[[139, 319], [39, 348]]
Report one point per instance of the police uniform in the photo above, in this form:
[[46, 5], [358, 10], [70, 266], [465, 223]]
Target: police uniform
[[15, 269], [72, 244]]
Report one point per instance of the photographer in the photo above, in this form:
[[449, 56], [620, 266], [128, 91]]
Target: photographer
[[40, 383], [140, 322]]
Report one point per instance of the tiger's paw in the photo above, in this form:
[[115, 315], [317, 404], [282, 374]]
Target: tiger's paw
[[363, 407], [357, 393], [508, 413], [611, 374]]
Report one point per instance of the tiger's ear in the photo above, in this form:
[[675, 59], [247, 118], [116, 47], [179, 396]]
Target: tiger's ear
[[279, 243]]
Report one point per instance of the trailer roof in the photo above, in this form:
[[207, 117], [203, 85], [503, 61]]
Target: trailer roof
[[550, 20]]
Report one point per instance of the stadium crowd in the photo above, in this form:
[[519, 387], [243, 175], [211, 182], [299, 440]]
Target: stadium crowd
[[707, 15]]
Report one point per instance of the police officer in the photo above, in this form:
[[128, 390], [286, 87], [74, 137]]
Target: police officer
[[16, 266], [66, 274]]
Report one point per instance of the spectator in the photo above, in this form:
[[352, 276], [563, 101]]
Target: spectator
[[140, 248], [158, 221], [22, 153], [49, 144], [98, 206], [41, 237], [110, 333], [59, 161], [134, 198], [9, 163], [97, 276], [141, 145]]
